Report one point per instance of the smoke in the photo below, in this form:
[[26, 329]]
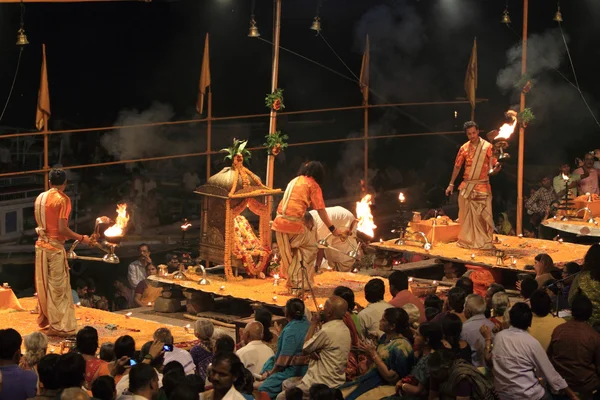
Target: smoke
[[397, 37], [545, 51], [350, 168]]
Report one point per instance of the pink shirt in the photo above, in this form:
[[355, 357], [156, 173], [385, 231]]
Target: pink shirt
[[589, 184], [405, 297]]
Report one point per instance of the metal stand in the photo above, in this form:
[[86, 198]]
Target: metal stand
[[302, 293]]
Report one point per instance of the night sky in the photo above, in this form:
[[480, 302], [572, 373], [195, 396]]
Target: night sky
[[104, 58]]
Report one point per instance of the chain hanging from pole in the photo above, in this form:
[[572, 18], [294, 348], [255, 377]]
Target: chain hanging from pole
[[316, 24], [253, 33], [21, 36]]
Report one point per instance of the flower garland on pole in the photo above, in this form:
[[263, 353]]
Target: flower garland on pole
[[276, 143], [274, 100], [526, 117]]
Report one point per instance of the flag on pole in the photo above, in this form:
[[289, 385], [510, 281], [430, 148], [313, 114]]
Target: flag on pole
[[42, 113], [204, 78], [364, 73], [471, 76]]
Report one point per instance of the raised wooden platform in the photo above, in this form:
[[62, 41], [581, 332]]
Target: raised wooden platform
[[522, 249], [141, 330], [575, 226], [264, 291]]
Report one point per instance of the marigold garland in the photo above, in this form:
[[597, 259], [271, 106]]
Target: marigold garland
[[247, 246]]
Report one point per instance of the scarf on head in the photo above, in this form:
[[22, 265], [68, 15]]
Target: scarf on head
[[506, 226]]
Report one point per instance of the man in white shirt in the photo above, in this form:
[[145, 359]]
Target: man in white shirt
[[369, 317], [183, 357], [343, 218], [152, 355], [255, 353], [137, 270], [143, 383], [327, 348]]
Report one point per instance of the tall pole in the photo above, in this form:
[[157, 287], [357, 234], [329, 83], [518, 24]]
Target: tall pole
[[46, 167], [208, 164], [366, 140], [274, 83], [521, 128]]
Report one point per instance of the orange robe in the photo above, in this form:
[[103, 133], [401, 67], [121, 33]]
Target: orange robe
[[475, 196], [55, 301], [297, 244]]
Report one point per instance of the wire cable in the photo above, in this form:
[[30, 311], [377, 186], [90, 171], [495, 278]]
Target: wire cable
[[12, 86], [338, 57]]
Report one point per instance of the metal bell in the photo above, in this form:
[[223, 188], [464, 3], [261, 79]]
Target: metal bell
[[316, 25], [22, 38], [505, 18], [253, 33], [558, 16]]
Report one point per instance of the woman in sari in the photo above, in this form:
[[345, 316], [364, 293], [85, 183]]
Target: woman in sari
[[147, 291], [588, 281], [504, 226], [202, 353], [357, 361], [288, 360], [87, 344], [392, 359]]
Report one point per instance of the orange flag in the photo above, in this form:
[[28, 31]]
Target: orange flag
[[204, 78], [471, 76], [42, 113], [364, 73]]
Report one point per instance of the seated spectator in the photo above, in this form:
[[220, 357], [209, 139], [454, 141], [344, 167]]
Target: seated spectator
[[182, 356], [489, 293], [543, 322], [500, 303], [526, 287], [49, 385], [79, 291], [70, 369], [503, 226], [588, 281], [202, 353], [107, 352], [195, 383], [357, 362], [347, 294], [455, 304], [104, 388], [288, 361], [568, 275], [319, 391], [393, 357], [519, 359], [431, 313], [224, 344], [452, 331], [294, 394], [466, 284], [264, 316], [453, 378], [255, 353], [124, 351], [433, 301], [143, 382], [427, 340], [184, 392], [94, 300], [124, 295], [475, 313], [172, 378], [553, 288], [330, 345], [401, 295], [575, 350], [147, 291], [544, 265], [36, 344], [74, 393], [17, 384], [152, 353], [87, 344], [369, 317], [225, 371]]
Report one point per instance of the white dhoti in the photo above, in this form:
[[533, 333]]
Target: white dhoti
[[297, 250], [477, 221]]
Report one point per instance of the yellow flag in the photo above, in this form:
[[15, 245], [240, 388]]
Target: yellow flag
[[364, 73], [471, 77], [42, 113], [204, 77]]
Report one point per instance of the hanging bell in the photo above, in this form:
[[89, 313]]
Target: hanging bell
[[22, 38], [253, 33], [316, 25], [505, 18], [558, 16]]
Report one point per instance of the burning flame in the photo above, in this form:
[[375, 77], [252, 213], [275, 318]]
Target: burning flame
[[365, 218], [401, 197], [507, 129], [565, 177], [186, 226], [118, 229]]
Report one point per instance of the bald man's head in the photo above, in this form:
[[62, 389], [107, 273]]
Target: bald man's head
[[74, 394], [253, 331], [335, 308]]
